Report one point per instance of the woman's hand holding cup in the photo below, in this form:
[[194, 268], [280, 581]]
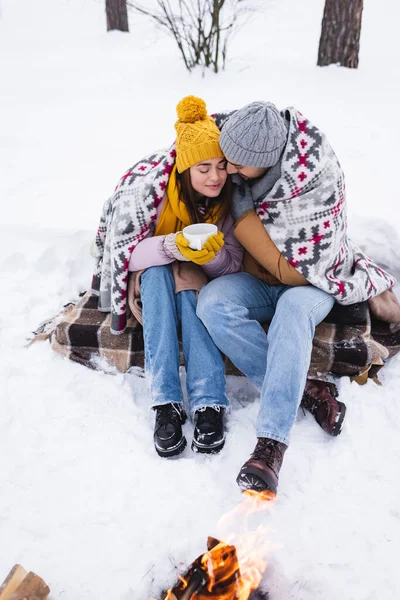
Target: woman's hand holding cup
[[198, 233], [209, 249]]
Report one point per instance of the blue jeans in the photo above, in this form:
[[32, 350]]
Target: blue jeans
[[163, 311], [232, 308]]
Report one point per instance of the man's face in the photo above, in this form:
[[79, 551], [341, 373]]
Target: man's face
[[245, 172]]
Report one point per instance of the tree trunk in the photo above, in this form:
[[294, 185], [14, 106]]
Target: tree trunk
[[117, 15], [340, 33]]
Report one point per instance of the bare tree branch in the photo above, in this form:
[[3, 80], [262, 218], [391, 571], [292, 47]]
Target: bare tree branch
[[201, 28]]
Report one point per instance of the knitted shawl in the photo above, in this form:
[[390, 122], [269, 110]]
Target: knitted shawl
[[127, 218], [305, 215]]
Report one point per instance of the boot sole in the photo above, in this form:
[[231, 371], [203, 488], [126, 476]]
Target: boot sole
[[203, 449], [253, 479], [339, 424], [174, 451]]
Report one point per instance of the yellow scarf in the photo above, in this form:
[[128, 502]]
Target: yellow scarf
[[174, 215]]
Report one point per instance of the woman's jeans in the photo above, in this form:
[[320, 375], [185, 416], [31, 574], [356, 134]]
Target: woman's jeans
[[163, 311], [232, 308]]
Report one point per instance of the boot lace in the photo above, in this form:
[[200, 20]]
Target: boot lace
[[169, 413], [311, 403], [211, 414], [267, 450]]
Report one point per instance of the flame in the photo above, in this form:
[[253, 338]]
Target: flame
[[184, 583], [252, 545], [235, 567], [221, 565], [264, 495]]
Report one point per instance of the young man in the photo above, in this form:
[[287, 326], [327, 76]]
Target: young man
[[289, 207]]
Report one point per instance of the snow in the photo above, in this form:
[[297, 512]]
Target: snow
[[84, 500]]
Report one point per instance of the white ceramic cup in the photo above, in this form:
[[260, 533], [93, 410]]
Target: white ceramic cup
[[198, 233]]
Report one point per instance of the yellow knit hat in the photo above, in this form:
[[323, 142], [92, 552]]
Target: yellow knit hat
[[197, 134]]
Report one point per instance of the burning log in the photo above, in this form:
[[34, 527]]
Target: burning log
[[234, 570], [21, 585], [214, 575]]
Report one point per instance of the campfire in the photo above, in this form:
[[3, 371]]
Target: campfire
[[230, 570]]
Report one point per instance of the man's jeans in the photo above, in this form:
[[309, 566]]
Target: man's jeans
[[163, 310], [232, 308]]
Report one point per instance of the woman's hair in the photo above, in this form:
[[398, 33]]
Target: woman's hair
[[190, 197]]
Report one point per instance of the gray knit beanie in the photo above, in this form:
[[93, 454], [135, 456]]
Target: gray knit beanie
[[254, 136]]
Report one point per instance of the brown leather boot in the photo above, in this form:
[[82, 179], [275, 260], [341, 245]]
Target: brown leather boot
[[261, 471], [319, 398]]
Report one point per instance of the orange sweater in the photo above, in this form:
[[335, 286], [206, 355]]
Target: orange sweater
[[262, 258]]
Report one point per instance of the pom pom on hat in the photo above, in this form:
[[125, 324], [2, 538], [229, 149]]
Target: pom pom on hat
[[197, 134], [191, 109]]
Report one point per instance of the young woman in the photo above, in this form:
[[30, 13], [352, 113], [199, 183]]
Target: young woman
[[167, 276]]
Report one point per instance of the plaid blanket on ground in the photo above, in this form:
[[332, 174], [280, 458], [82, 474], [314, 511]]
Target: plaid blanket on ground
[[345, 343]]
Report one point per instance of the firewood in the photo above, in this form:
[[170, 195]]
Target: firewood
[[12, 581], [32, 587], [212, 542], [360, 379]]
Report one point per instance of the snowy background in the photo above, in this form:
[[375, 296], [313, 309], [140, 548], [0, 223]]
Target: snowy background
[[84, 500]]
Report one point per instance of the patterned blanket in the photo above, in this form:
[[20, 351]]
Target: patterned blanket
[[345, 343], [305, 215], [127, 218]]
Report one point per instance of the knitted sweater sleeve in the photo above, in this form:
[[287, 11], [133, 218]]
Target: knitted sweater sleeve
[[229, 258], [150, 253], [252, 234]]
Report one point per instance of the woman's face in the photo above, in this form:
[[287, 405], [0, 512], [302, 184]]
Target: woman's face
[[208, 177]]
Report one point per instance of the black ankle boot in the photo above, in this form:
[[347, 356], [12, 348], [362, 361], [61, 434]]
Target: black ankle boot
[[168, 437], [209, 434]]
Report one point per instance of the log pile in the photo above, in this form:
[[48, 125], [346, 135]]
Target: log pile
[[212, 576], [21, 585]]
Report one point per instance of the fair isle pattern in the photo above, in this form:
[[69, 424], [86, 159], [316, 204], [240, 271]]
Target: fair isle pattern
[[305, 215], [127, 218]]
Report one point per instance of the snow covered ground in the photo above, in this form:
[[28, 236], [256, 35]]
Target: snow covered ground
[[84, 500]]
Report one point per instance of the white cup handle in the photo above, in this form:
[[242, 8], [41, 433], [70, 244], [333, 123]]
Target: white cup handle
[[195, 245]]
